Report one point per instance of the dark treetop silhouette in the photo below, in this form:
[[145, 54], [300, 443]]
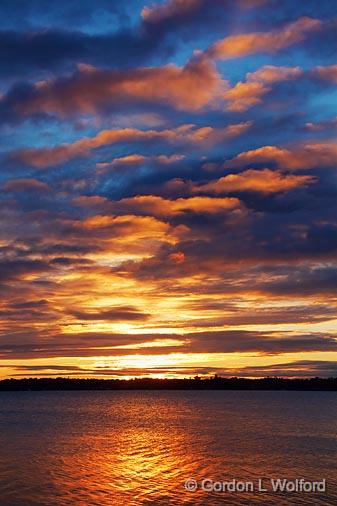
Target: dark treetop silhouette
[[197, 383]]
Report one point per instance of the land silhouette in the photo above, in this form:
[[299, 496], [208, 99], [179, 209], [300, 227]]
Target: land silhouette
[[196, 383]]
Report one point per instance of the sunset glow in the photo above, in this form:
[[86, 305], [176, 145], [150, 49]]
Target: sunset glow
[[168, 190]]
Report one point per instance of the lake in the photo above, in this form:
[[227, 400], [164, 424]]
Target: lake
[[140, 447]]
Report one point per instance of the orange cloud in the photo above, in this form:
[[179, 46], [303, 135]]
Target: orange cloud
[[126, 225], [263, 181], [154, 206], [169, 9], [269, 74], [303, 156], [328, 73], [244, 44], [136, 159], [173, 9], [88, 91], [45, 157], [158, 206], [127, 234], [178, 257], [247, 94]]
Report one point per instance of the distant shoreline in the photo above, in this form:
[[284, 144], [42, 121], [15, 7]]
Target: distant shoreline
[[215, 383]]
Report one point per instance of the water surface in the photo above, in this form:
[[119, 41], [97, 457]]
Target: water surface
[[139, 448]]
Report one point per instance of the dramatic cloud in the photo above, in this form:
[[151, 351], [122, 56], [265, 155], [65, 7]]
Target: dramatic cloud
[[244, 44], [300, 368], [140, 159], [303, 156], [91, 90], [249, 93], [174, 11], [263, 181], [169, 9], [114, 314], [36, 40], [45, 157], [161, 207]]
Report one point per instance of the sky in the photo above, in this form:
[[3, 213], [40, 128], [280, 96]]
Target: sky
[[168, 188]]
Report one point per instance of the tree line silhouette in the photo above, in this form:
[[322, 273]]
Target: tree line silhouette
[[196, 383]]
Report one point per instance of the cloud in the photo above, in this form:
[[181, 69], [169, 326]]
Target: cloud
[[327, 125], [128, 226], [41, 50], [265, 343], [192, 88], [90, 344], [173, 12], [168, 10], [158, 206], [235, 46], [137, 159], [16, 268], [26, 185], [304, 155], [263, 181], [300, 368], [305, 281], [228, 314], [33, 41], [116, 314], [92, 91], [327, 73], [249, 93], [45, 157], [295, 369]]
